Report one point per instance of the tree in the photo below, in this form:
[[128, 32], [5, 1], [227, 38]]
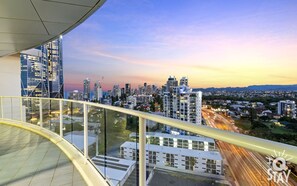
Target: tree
[[152, 107]]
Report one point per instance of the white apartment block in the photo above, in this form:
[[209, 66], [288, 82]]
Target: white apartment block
[[287, 108], [179, 159], [183, 104], [98, 92], [132, 100], [179, 141], [184, 81]]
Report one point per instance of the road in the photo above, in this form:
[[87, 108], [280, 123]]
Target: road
[[246, 167]]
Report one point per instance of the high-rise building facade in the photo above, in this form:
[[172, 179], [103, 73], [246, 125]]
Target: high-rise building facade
[[98, 93], [55, 68], [287, 108], [116, 91], [183, 81], [76, 95], [128, 89], [171, 82], [87, 90], [42, 71], [34, 72], [183, 104]]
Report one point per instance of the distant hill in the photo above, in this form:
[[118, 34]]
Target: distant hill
[[251, 87]]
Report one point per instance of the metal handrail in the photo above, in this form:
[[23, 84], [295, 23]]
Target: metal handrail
[[262, 146]]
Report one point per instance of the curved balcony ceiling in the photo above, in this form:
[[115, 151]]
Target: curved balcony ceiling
[[28, 23]]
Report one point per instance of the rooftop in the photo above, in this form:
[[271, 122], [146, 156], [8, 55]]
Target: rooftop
[[173, 150], [184, 137]]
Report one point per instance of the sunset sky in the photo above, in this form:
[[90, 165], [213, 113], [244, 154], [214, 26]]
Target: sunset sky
[[216, 43]]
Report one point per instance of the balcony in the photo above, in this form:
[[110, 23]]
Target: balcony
[[117, 146]]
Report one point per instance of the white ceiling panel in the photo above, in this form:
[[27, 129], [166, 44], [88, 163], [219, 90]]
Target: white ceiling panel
[[25, 24], [89, 3], [16, 46], [7, 46], [23, 38], [58, 12], [21, 26], [5, 52], [17, 9], [22, 46], [56, 28]]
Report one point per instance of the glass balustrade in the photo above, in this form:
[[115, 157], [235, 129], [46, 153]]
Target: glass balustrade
[[111, 139]]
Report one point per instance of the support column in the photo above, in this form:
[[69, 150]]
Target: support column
[[61, 117], [86, 130], [142, 152]]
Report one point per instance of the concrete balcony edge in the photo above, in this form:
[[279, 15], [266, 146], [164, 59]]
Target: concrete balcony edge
[[89, 173]]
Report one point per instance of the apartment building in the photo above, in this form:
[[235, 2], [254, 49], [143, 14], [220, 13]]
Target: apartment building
[[287, 108], [178, 159], [179, 141], [183, 104]]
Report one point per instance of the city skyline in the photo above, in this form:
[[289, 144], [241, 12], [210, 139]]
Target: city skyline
[[215, 44]]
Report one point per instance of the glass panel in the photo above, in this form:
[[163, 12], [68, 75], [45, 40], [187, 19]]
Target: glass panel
[[7, 108], [181, 157], [32, 110], [51, 115], [16, 109], [73, 124], [96, 141], [116, 155]]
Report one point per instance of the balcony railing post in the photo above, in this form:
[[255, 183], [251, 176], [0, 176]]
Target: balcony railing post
[[61, 117], [142, 152], [86, 130], [40, 113]]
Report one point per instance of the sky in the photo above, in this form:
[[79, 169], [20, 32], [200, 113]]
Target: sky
[[214, 43]]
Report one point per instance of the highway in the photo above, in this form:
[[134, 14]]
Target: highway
[[243, 166]]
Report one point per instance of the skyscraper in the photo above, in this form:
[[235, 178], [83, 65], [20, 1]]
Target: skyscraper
[[182, 103], [116, 91], [184, 81], [128, 89], [55, 68], [42, 71], [87, 89], [98, 94], [34, 72], [171, 82]]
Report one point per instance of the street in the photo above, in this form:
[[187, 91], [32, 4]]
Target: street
[[246, 167]]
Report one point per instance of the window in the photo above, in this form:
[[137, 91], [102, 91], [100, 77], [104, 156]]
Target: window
[[211, 146], [180, 143], [170, 144], [155, 140], [135, 155], [211, 166], [165, 142], [190, 163], [169, 160], [200, 145], [185, 144], [152, 157], [195, 145]]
